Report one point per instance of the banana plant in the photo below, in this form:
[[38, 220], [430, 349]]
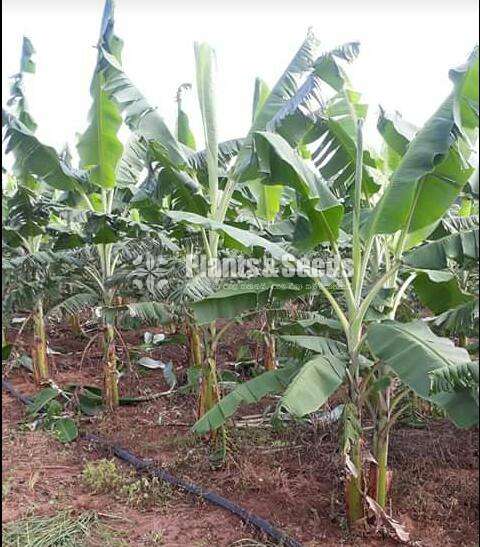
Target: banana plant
[[28, 210], [100, 190], [381, 359], [268, 106], [203, 184]]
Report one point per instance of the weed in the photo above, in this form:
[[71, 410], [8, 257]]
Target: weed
[[156, 538], [146, 492], [104, 476]]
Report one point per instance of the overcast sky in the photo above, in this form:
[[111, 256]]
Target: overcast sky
[[407, 49]]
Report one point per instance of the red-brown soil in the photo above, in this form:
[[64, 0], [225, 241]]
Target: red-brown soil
[[291, 477]]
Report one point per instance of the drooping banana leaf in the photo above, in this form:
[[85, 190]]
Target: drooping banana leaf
[[329, 69], [227, 304], [464, 319], [452, 224], [34, 158], [327, 347], [396, 131], [139, 115], [313, 385], [185, 192], [132, 163], [308, 117], [75, 304], [413, 352], [247, 239], [466, 92], [227, 150], [455, 378], [268, 383], [297, 116], [237, 298], [28, 214], [152, 313], [336, 154], [461, 247], [440, 291], [280, 164], [143, 119]]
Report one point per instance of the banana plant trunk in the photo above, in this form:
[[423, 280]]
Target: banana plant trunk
[[75, 325], [195, 345], [270, 360], [209, 388], [270, 352], [111, 397], [354, 487], [41, 371], [383, 473]]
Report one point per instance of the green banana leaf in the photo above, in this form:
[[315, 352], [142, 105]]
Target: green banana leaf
[[313, 385], [268, 383], [412, 351]]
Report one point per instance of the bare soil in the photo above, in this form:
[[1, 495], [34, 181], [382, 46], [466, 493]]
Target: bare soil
[[291, 477]]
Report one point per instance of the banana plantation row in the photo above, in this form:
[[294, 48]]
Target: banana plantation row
[[393, 324]]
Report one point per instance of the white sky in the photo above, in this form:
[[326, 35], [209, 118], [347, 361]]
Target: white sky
[[407, 49]]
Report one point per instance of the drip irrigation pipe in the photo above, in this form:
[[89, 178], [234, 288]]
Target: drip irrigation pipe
[[143, 465]]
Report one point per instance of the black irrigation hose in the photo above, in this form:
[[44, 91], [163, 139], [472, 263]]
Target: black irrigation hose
[[145, 465], [7, 386]]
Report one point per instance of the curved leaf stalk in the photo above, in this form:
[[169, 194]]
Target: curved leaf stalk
[[385, 419], [41, 371], [401, 293]]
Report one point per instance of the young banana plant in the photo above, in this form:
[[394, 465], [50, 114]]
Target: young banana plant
[[101, 190], [27, 210], [382, 359]]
